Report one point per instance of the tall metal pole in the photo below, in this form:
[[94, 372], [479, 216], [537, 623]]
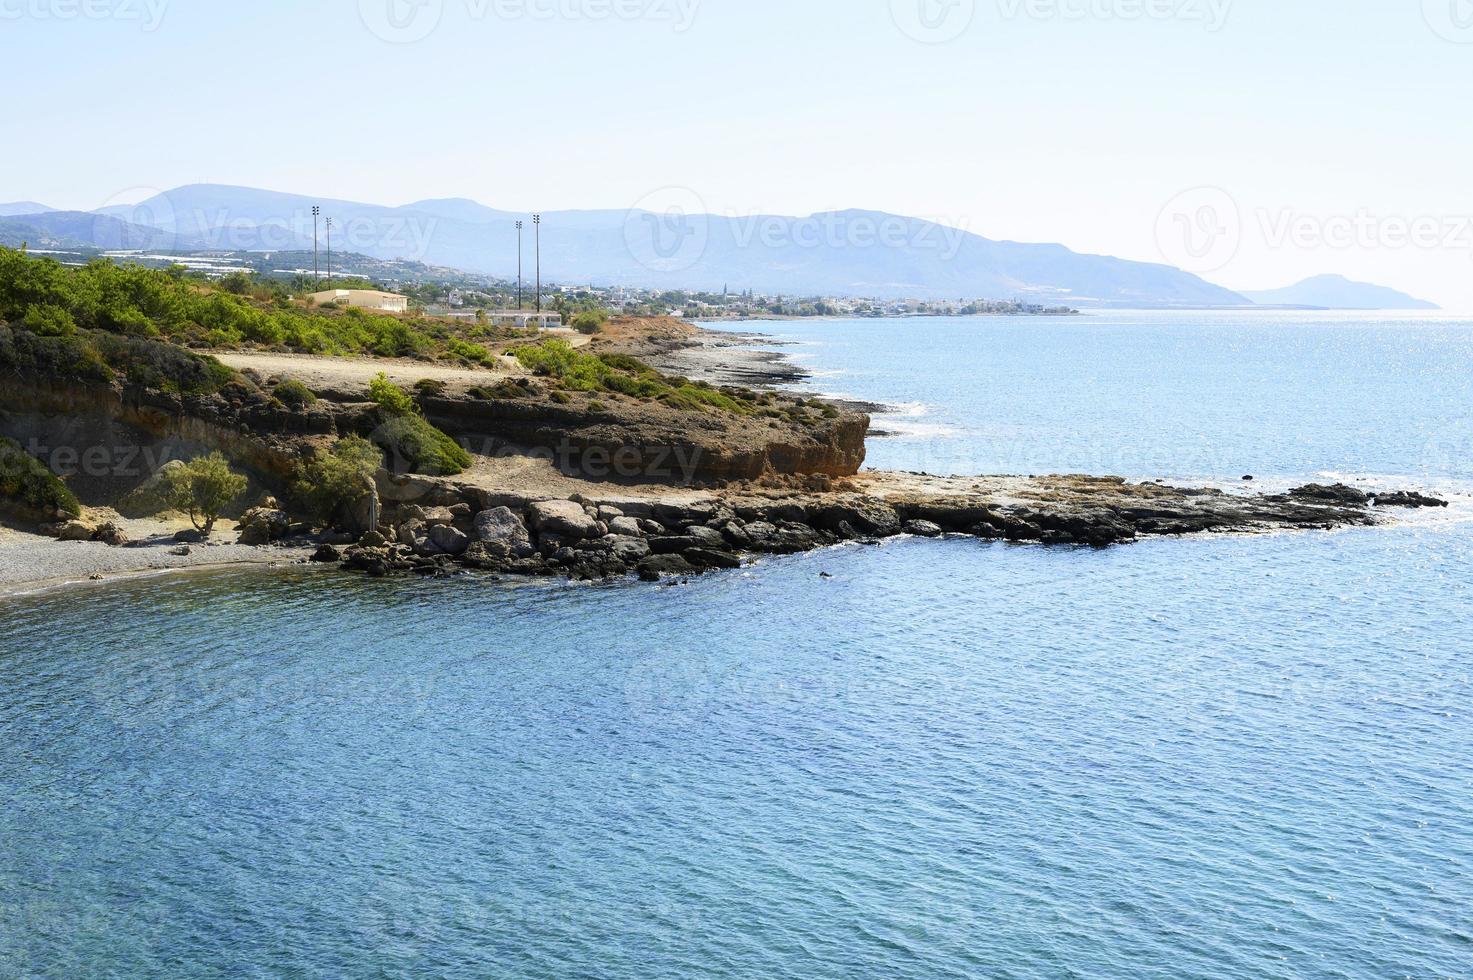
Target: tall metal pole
[[519, 265], [316, 272], [537, 225], [329, 253]]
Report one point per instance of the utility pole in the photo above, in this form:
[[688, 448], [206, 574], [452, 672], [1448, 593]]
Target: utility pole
[[316, 272], [519, 265], [537, 226], [329, 253]]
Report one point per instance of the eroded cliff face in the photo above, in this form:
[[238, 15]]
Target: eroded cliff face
[[645, 438], [108, 439]]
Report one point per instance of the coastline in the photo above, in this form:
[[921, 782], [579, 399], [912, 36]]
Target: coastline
[[31, 563]]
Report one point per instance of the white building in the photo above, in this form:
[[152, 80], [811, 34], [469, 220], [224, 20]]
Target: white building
[[523, 319], [364, 299]]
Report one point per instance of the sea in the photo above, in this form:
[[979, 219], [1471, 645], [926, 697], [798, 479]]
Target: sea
[[1216, 756]]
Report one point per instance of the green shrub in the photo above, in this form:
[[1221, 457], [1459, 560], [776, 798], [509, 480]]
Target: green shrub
[[390, 397], [203, 488], [25, 480], [590, 322], [294, 394], [332, 483], [48, 320], [416, 446], [429, 386]]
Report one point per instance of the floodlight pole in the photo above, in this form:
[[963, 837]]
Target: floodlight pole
[[537, 225], [316, 272], [519, 265], [329, 253]]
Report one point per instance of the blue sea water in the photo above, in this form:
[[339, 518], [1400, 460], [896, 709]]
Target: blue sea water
[[1212, 757]]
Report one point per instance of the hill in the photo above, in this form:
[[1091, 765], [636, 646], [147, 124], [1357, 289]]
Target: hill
[[1338, 293], [854, 253], [85, 229]]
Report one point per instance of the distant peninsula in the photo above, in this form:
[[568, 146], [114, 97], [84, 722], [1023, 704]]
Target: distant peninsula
[[1331, 292]]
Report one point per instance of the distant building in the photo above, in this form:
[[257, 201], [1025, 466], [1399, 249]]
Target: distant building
[[524, 318], [364, 299]]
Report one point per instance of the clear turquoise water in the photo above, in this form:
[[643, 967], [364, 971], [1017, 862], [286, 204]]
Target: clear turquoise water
[[1226, 757]]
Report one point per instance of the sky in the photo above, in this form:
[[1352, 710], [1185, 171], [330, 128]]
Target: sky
[[1254, 142]]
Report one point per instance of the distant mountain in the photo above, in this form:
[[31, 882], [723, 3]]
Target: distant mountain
[[86, 229], [1339, 293], [23, 207], [851, 253]]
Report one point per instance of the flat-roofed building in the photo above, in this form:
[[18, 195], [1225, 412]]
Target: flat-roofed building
[[363, 299], [522, 319]]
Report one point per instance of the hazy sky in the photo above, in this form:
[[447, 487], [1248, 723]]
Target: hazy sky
[[1253, 141]]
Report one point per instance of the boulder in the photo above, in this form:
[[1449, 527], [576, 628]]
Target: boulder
[[563, 518], [189, 536], [628, 550], [327, 555], [262, 526], [449, 540], [657, 566], [373, 539], [872, 517], [707, 537], [503, 533], [627, 527], [923, 529], [110, 534], [76, 531], [712, 558]]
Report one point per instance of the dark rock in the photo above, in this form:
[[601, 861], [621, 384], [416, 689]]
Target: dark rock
[[190, 536], [662, 565], [672, 545], [1337, 493], [373, 539], [326, 555], [711, 558], [449, 540], [923, 529], [112, 535], [1409, 499]]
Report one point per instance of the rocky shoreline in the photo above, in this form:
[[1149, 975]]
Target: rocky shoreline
[[588, 537]]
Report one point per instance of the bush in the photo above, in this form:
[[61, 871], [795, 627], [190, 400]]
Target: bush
[[203, 488], [25, 480], [590, 322], [294, 394], [332, 483], [47, 320], [416, 446], [390, 397]]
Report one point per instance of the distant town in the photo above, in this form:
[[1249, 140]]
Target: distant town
[[440, 291]]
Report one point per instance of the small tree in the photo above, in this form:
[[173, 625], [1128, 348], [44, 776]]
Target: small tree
[[203, 488], [334, 482]]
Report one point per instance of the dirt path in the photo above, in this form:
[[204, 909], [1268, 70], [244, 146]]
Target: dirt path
[[354, 373]]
